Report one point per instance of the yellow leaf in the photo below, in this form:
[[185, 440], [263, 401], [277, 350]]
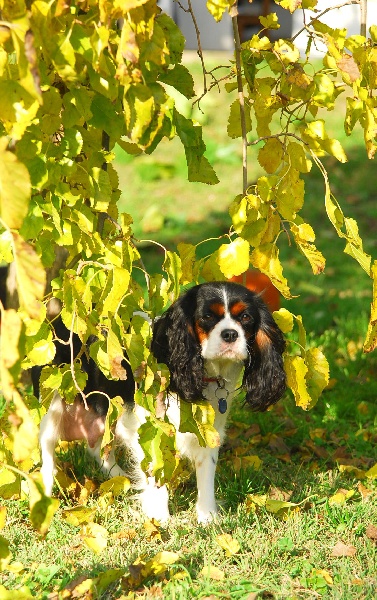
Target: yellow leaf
[[270, 21], [271, 155], [372, 472], [228, 543], [297, 157], [95, 537], [266, 259], [3, 516], [284, 319], [78, 515], [341, 496], [218, 7], [296, 371], [116, 485], [212, 572], [325, 574], [233, 258], [371, 338], [15, 188], [283, 510], [286, 51], [245, 462], [354, 471]]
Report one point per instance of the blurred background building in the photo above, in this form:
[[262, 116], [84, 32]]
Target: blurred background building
[[219, 36]]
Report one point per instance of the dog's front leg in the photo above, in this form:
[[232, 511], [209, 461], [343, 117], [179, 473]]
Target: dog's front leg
[[50, 433], [205, 466]]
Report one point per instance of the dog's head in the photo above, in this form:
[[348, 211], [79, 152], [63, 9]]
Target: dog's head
[[220, 322]]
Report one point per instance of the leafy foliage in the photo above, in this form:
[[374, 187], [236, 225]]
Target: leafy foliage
[[76, 79]]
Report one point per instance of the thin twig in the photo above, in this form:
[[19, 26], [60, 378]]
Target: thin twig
[[277, 135], [241, 98], [318, 16]]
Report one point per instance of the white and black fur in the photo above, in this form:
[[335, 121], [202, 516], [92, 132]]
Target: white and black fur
[[214, 336]]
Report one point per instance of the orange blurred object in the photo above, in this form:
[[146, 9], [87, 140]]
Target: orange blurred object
[[260, 283]]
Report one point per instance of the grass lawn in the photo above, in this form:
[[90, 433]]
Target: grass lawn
[[301, 522]]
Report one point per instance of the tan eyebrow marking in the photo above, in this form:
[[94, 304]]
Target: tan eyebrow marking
[[238, 308], [218, 309]]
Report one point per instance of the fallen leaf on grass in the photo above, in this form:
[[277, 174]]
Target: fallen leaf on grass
[[341, 549], [354, 471], [212, 573], [78, 515], [95, 537], [152, 529], [126, 534], [278, 494], [281, 509], [341, 496], [227, 543], [371, 533], [84, 587], [246, 462], [140, 570], [116, 485], [277, 444], [372, 472], [364, 491]]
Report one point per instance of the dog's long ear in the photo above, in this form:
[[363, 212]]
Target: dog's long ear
[[264, 378], [174, 343]]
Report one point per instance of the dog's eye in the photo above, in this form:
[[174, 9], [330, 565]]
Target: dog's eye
[[245, 318], [207, 317]]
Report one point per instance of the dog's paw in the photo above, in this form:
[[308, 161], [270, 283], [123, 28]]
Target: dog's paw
[[154, 502], [206, 515]]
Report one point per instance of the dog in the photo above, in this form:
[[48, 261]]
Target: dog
[[215, 338]]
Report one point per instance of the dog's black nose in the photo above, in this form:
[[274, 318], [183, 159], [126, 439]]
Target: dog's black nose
[[229, 335]]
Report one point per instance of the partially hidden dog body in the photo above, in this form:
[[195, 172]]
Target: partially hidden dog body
[[214, 336]]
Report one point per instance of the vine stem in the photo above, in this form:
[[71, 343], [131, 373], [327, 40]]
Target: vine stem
[[241, 98]]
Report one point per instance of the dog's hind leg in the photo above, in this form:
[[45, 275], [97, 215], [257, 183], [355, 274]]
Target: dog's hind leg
[[50, 433]]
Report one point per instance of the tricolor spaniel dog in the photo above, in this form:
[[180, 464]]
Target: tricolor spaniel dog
[[215, 336]]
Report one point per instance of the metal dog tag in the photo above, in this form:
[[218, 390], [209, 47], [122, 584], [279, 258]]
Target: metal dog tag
[[223, 405]]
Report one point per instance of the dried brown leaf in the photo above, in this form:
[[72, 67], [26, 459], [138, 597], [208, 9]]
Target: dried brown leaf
[[371, 532], [340, 549]]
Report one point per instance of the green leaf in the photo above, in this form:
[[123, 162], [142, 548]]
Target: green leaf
[[42, 507], [190, 135], [179, 78], [157, 438], [199, 418], [173, 267]]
